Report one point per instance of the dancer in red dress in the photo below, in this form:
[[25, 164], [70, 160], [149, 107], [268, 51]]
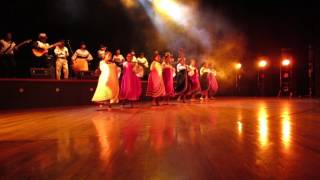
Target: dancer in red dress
[[213, 83], [130, 85], [156, 88], [168, 75], [193, 75]]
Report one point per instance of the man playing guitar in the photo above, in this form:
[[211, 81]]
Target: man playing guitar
[[7, 55], [40, 51]]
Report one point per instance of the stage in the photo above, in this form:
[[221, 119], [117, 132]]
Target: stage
[[226, 138], [38, 93]]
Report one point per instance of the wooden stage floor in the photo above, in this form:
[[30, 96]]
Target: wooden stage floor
[[223, 139]]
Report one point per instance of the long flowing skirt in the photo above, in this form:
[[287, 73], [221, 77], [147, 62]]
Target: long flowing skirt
[[195, 86], [182, 82], [108, 85], [156, 86], [130, 85], [213, 85], [168, 81]]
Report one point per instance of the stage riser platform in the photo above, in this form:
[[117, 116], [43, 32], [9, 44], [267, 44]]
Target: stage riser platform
[[47, 93]]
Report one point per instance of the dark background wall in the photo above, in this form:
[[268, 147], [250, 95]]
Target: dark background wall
[[268, 27]]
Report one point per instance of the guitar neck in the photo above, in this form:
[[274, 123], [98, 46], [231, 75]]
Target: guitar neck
[[21, 44], [53, 45]]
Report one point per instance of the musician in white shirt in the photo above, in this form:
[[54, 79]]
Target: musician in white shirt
[[118, 58], [143, 60], [134, 58], [42, 61], [102, 52], [7, 61], [62, 54]]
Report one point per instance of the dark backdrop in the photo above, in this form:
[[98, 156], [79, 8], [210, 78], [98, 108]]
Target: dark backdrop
[[268, 25]]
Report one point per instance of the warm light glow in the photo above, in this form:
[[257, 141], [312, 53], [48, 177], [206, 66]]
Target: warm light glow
[[104, 127], [170, 8], [286, 62], [238, 66], [263, 126], [129, 3], [262, 63], [239, 123], [239, 127], [286, 128]]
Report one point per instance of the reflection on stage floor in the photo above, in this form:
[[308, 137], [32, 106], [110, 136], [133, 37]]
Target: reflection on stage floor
[[227, 138]]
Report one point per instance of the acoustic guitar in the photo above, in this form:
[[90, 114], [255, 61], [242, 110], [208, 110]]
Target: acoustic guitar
[[39, 52], [5, 51]]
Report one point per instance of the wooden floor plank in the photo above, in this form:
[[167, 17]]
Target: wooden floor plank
[[228, 138]]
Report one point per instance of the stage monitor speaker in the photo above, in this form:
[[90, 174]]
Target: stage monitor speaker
[[40, 73]]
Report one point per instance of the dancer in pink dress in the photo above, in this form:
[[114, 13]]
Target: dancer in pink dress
[[193, 75], [213, 83], [156, 88], [168, 75], [130, 85]]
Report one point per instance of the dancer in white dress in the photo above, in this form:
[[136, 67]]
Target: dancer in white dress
[[107, 91]]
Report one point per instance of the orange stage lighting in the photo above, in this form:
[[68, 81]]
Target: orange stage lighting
[[286, 62], [262, 63], [238, 66]]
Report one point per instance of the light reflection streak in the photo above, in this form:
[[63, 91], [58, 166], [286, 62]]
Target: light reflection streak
[[239, 123], [263, 126], [286, 128], [239, 128], [104, 127]]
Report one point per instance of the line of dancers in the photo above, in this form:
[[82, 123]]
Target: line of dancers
[[119, 80]]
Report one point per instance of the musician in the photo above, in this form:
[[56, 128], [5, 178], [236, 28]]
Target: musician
[[62, 54], [118, 59], [134, 58], [142, 64], [102, 52], [41, 44], [81, 58], [7, 60], [143, 60]]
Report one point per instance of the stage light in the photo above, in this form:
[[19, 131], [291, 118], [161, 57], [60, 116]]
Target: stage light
[[238, 66], [262, 63], [286, 62], [171, 9], [129, 3]]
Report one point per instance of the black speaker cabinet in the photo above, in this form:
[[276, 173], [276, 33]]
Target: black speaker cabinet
[[41, 73]]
